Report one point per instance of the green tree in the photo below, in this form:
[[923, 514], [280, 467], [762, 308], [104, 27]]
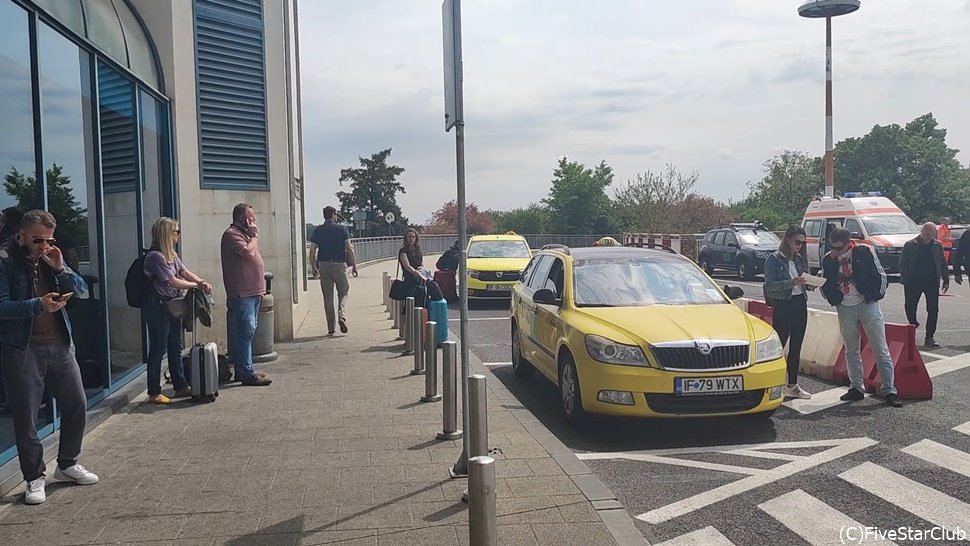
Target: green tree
[[653, 202], [791, 180], [577, 201], [911, 165], [373, 189], [531, 219], [71, 218]]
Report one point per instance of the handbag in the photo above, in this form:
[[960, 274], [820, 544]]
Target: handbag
[[177, 308], [397, 291]]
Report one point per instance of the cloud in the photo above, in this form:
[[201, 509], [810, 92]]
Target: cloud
[[713, 86]]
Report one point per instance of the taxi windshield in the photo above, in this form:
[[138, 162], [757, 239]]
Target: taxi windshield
[[640, 281], [759, 237], [899, 224], [498, 249]]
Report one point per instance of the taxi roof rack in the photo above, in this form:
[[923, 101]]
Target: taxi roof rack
[[556, 246], [663, 247]]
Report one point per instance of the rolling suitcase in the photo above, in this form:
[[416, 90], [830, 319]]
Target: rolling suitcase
[[446, 282], [204, 375], [438, 312]]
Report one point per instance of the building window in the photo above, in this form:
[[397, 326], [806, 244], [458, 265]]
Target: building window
[[231, 94]]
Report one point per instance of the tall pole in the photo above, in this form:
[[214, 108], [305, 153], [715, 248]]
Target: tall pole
[[829, 146]]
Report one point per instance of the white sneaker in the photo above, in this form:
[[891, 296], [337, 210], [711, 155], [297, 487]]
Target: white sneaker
[[36, 491], [795, 391], [77, 474]]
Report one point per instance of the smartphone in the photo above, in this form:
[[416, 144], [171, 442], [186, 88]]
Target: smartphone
[[64, 297]]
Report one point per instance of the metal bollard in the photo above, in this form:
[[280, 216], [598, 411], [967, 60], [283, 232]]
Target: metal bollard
[[408, 310], [387, 300], [417, 340], [481, 502], [396, 316], [449, 381], [430, 363], [477, 417]]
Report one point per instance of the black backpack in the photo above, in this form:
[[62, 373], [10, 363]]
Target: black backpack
[[136, 283]]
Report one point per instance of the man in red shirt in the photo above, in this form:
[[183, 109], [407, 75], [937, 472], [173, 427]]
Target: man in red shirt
[[943, 233], [243, 276]]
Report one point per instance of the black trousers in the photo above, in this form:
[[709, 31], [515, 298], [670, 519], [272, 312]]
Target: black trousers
[[914, 291], [790, 319], [28, 373]]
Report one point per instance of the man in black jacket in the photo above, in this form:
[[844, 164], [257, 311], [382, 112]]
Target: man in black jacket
[[855, 282], [922, 265], [961, 258]]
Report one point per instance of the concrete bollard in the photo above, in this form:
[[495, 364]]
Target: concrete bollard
[[417, 340], [449, 382], [408, 311], [430, 363], [482, 519]]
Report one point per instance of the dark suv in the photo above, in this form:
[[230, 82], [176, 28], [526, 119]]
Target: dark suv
[[738, 247]]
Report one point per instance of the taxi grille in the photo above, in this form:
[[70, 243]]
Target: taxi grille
[[493, 276], [705, 403], [689, 358]]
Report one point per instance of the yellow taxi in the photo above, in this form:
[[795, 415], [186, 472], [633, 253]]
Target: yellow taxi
[[494, 264], [641, 332]]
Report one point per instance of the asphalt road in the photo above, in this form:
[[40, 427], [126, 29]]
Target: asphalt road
[[803, 478]]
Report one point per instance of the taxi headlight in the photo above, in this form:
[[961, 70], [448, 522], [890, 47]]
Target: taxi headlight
[[473, 273], [610, 352], [769, 349]]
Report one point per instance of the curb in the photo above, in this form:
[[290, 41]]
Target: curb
[[617, 520]]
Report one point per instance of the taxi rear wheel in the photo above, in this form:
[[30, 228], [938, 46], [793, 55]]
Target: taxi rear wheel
[[522, 368], [569, 392]]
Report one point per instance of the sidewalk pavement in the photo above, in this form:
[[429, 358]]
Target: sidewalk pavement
[[338, 449]]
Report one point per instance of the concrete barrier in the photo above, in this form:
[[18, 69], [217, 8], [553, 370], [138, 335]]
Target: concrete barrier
[[822, 346]]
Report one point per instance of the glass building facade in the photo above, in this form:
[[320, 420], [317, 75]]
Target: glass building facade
[[86, 136]]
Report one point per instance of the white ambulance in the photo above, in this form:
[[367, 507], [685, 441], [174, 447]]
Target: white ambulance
[[872, 219]]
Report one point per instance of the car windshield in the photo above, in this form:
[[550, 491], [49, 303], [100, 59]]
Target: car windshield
[[889, 225], [759, 237], [641, 280], [498, 249]]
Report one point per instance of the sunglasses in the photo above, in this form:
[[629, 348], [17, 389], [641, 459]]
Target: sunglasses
[[837, 248], [798, 242], [39, 240]]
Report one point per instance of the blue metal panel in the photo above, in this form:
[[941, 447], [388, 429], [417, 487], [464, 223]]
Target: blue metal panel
[[115, 101], [232, 93]]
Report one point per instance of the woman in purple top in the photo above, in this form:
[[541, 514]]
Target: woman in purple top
[[167, 279]]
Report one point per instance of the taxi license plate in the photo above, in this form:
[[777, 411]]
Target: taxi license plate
[[709, 385], [499, 287]]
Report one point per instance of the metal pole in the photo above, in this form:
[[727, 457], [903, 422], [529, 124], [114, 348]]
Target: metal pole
[[387, 288], [477, 417], [481, 503], [430, 363], [396, 316], [417, 341], [408, 310], [829, 144], [449, 381]]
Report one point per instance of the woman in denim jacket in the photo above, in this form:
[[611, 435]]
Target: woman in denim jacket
[[785, 290]]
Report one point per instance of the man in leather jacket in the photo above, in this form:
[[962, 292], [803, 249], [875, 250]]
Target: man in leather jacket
[[855, 282]]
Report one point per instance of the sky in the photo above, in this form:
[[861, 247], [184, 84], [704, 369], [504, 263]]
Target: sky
[[713, 87]]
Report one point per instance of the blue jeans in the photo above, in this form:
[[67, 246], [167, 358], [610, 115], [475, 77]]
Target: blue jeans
[[164, 336], [869, 316], [242, 311]]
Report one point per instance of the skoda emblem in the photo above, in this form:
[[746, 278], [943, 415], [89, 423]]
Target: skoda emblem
[[498, 274], [703, 347]]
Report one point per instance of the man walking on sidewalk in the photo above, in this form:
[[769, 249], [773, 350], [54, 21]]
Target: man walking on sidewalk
[[922, 265], [243, 274], [331, 251], [38, 351], [854, 284]]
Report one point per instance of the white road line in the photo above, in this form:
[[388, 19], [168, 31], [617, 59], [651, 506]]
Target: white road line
[[935, 356], [707, 498], [689, 463], [764, 454], [710, 449], [703, 537], [941, 455], [496, 363], [964, 428], [923, 501], [819, 401], [479, 318], [816, 522], [947, 365]]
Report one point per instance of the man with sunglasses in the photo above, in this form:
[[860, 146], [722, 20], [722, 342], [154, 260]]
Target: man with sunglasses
[[38, 351], [855, 282]]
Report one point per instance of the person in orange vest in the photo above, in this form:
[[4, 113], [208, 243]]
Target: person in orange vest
[[943, 233]]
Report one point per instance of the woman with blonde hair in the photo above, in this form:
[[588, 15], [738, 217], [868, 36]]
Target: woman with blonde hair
[[167, 278]]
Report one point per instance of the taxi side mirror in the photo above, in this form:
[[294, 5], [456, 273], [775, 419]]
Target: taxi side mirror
[[733, 292], [544, 296]]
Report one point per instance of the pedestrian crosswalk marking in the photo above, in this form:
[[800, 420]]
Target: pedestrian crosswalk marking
[[964, 428], [816, 522], [941, 455], [707, 536], [756, 477], [918, 499]]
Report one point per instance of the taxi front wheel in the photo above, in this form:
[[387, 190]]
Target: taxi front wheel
[[522, 368], [570, 394]]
